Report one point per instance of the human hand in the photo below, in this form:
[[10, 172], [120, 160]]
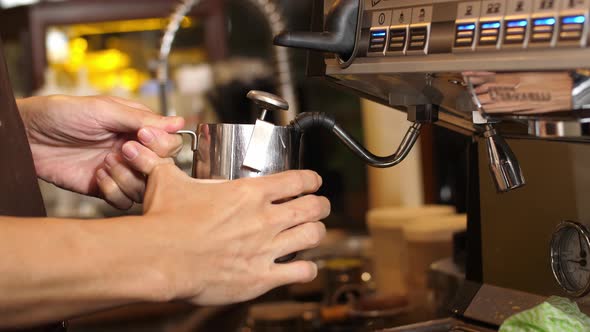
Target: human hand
[[76, 142], [219, 241]]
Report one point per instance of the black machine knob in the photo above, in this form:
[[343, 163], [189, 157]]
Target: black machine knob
[[339, 36]]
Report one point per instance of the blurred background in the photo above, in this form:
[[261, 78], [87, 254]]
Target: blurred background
[[222, 50]]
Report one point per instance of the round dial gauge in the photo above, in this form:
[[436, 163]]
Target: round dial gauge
[[570, 257]]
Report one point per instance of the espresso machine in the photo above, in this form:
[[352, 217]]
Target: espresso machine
[[513, 76]]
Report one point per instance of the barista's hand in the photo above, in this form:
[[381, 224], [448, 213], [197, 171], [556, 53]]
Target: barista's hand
[[76, 142], [218, 241]]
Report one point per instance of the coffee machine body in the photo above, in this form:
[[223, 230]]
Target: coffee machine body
[[514, 76]]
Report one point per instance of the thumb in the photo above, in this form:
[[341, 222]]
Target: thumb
[[122, 115]]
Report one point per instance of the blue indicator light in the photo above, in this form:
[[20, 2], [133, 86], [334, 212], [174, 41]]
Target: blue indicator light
[[378, 34], [545, 21], [517, 24], [573, 20], [466, 27], [491, 25]]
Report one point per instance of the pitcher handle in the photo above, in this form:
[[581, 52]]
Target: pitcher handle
[[194, 138]]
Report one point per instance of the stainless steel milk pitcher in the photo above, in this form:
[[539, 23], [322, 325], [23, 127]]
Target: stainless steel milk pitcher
[[233, 151]]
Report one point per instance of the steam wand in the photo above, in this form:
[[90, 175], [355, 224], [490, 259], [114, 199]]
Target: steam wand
[[305, 121]]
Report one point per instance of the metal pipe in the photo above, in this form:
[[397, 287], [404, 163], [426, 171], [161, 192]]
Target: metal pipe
[[162, 73], [282, 62], [400, 154]]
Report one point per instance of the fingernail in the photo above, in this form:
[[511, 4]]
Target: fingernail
[[129, 151], [146, 136], [101, 174]]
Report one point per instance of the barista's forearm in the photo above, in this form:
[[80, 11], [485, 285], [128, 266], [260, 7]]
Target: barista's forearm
[[51, 269]]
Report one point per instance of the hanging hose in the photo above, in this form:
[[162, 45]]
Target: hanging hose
[[276, 23], [308, 120]]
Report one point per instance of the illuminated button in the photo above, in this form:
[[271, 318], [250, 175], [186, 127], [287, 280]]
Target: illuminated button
[[489, 32], [418, 38], [515, 31], [571, 27], [543, 36], [397, 40], [464, 41], [377, 41], [464, 34], [490, 25], [514, 38], [544, 21], [488, 39], [579, 19], [542, 30], [517, 24], [570, 35]]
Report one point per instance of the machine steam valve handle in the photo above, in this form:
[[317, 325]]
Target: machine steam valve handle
[[267, 102], [339, 36]]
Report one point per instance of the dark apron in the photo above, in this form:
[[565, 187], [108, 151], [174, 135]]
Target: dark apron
[[20, 195]]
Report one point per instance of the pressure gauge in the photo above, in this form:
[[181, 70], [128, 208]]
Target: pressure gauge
[[570, 258]]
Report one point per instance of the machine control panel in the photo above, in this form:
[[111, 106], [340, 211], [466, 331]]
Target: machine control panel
[[478, 26]]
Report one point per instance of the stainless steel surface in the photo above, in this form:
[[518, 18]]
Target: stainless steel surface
[[259, 147], [503, 164], [517, 227], [282, 62], [570, 250], [193, 136], [181, 10], [400, 154], [222, 148], [267, 102], [493, 305]]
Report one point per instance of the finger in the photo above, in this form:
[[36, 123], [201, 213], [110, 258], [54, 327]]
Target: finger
[[300, 210], [290, 184], [162, 143], [119, 117], [131, 183], [302, 237], [296, 272], [129, 103], [111, 192], [141, 158]]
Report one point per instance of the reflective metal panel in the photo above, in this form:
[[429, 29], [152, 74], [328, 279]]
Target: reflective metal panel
[[222, 148]]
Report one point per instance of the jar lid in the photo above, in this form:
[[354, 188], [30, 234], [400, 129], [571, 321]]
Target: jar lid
[[395, 217], [435, 229]]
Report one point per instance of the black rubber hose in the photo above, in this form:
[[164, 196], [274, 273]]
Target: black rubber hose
[[308, 120]]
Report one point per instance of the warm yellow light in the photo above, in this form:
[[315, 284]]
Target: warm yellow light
[[107, 60], [78, 45], [148, 24]]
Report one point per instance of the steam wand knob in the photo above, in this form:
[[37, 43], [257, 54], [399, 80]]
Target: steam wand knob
[[267, 102]]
